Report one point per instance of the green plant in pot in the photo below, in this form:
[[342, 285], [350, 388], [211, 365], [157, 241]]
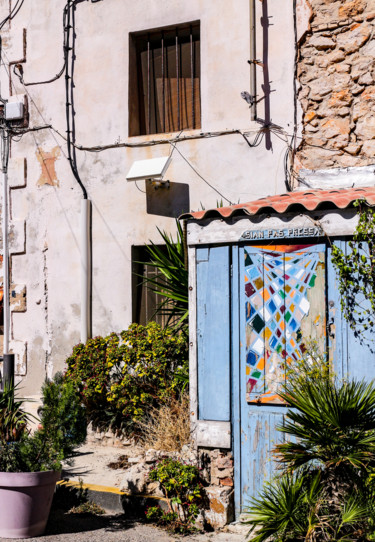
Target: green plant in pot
[[30, 462]]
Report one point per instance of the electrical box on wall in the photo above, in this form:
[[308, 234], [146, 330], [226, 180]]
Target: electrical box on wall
[[14, 111]]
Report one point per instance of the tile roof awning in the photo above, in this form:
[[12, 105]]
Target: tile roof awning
[[310, 200]]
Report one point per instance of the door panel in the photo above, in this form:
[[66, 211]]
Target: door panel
[[282, 308]]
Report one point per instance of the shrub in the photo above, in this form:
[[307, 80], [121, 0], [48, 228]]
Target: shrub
[[63, 413], [183, 490], [121, 378], [90, 366], [62, 427]]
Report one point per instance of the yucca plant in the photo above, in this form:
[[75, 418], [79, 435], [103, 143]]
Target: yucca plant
[[325, 488], [171, 282]]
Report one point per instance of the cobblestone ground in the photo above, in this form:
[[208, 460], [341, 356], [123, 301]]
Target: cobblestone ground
[[80, 528]]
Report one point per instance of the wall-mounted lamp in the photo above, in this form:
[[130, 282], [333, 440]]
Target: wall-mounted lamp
[[153, 170]]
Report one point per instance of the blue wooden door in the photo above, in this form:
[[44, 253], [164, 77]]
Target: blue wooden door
[[282, 303], [282, 297]]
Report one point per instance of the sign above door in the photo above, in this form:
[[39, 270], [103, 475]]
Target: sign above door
[[285, 233]]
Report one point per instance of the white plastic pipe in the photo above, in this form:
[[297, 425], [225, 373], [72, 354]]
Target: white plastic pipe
[[85, 269], [6, 308]]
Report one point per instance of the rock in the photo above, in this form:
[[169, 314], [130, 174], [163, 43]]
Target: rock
[[353, 39], [342, 67], [353, 148], [336, 127], [356, 89], [366, 79], [365, 128], [340, 98], [369, 49], [316, 158], [153, 488], [135, 479], [358, 69], [321, 43], [221, 506], [350, 9], [133, 460], [368, 94], [368, 148], [224, 462], [151, 456]]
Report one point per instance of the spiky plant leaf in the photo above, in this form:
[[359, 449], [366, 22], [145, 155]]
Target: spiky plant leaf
[[171, 282]]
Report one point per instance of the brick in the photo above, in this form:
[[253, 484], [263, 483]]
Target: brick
[[226, 482]]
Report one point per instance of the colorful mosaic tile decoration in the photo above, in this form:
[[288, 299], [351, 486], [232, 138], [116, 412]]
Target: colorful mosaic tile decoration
[[276, 284]]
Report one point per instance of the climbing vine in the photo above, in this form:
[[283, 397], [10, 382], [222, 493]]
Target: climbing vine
[[356, 272]]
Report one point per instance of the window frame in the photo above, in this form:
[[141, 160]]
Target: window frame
[[146, 117]]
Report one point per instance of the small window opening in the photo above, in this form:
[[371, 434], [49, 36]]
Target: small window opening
[[164, 80]]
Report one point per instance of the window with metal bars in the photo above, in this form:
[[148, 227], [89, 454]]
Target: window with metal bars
[[164, 80], [144, 300]]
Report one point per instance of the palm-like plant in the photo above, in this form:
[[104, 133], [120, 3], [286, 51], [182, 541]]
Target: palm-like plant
[[330, 423], [171, 282], [326, 487]]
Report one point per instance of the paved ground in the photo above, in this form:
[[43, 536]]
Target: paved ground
[[91, 466], [78, 528]]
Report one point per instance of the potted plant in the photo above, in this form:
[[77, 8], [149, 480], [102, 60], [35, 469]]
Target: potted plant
[[30, 463]]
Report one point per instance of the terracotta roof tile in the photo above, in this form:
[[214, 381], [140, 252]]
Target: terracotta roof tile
[[309, 200]]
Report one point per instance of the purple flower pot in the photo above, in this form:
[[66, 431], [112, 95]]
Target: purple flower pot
[[25, 502]]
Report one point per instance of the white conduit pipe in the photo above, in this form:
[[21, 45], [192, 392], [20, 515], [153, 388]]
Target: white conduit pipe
[[6, 308], [85, 270]]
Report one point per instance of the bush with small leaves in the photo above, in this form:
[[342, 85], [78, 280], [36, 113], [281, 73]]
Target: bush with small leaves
[[182, 488]]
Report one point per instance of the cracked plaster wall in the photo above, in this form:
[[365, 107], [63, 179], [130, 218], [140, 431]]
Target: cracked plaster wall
[[44, 197]]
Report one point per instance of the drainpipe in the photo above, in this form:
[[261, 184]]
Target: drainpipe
[[253, 75], [8, 359], [85, 270]]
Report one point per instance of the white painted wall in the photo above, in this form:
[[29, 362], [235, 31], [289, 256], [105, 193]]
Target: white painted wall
[[43, 335]]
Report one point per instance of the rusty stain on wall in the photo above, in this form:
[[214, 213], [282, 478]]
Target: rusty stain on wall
[[47, 161]]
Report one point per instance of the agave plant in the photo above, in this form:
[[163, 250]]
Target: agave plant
[[13, 417], [326, 487], [171, 282]]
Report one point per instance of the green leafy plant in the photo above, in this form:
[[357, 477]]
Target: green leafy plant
[[171, 282], [327, 461], [62, 427], [183, 490], [63, 413], [121, 378], [355, 270]]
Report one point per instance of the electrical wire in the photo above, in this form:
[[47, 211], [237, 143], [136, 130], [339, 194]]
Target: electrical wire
[[12, 14], [143, 191], [20, 76], [201, 176], [68, 21], [36, 128]]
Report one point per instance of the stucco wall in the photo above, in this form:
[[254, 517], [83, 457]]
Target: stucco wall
[[45, 199]]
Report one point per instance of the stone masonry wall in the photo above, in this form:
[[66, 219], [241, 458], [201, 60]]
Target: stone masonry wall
[[336, 76]]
